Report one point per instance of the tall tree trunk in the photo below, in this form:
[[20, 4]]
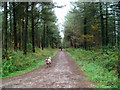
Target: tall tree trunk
[[85, 33], [85, 28], [113, 32], [119, 24], [14, 24], [102, 25], [26, 30], [20, 34], [106, 25], [33, 39], [23, 35], [43, 41], [10, 25], [5, 27]]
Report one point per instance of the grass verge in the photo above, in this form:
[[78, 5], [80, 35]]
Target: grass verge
[[20, 63], [100, 67]]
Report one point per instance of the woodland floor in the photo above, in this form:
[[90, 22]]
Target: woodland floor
[[63, 73]]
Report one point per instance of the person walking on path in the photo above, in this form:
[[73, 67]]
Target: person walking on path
[[61, 48]]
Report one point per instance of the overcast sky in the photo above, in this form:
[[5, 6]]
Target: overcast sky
[[62, 12]]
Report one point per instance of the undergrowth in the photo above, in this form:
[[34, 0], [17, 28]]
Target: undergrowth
[[100, 66], [18, 63]]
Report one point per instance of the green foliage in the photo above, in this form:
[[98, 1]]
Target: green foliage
[[100, 66], [77, 29], [19, 62], [29, 47], [92, 24]]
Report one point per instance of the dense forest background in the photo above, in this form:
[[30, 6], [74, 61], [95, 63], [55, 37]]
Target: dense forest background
[[29, 25], [93, 24], [30, 34], [87, 25]]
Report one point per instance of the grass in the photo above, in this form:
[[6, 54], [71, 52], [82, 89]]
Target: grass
[[19, 63], [99, 66], [25, 71]]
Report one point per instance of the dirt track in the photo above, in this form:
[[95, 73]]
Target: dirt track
[[63, 73]]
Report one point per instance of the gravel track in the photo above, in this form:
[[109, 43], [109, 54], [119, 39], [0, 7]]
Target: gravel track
[[63, 73]]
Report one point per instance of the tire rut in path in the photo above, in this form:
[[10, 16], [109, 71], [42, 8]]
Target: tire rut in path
[[63, 73]]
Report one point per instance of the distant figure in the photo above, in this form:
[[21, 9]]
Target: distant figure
[[61, 48]]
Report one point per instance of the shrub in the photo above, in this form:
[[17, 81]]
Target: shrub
[[100, 66], [19, 61]]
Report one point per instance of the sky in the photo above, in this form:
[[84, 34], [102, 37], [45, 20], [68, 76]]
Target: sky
[[62, 12]]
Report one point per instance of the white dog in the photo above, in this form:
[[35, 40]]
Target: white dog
[[49, 60]]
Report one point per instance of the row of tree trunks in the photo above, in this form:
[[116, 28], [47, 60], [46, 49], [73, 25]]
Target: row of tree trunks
[[25, 26]]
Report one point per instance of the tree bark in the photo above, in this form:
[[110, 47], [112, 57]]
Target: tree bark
[[106, 25], [10, 25], [102, 25], [43, 40], [33, 37], [85, 33], [26, 30], [22, 33], [85, 28], [14, 24], [5, 27]]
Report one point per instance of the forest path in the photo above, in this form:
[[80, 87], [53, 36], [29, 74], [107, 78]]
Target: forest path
[[63, 73]]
